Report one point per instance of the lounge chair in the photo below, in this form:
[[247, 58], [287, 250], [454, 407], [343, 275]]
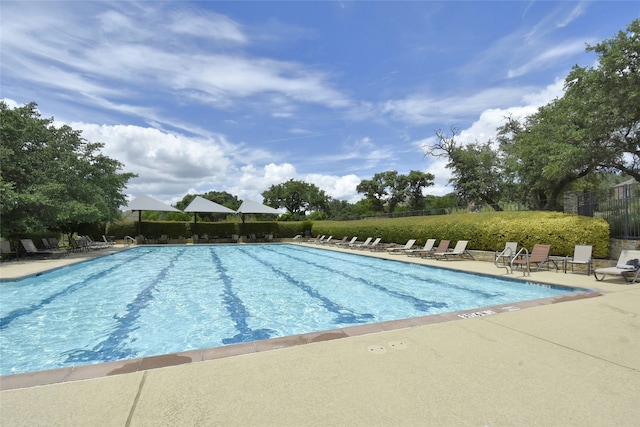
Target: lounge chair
[[509, 251], [54, 243], [315, 240], [364, 244], [382, 246], [458, 252], [627, 267], [539, 255], [371, 246], [31, 249], [5, 249], [111, 243], [442, 247], [581, 255], [92, 244], [401, 249], [327, 240], [344, 242], [428, 247]]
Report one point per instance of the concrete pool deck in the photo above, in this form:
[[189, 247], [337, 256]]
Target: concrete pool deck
[[575, 362]]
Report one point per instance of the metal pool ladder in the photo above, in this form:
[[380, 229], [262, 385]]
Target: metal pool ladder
[[526, 272]]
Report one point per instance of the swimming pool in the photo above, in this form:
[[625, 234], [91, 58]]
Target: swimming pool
[[159, 300]]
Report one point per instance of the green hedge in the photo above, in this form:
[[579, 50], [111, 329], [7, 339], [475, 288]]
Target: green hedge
[[488, 231]]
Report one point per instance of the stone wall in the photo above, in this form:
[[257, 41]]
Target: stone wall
[[618, 245]]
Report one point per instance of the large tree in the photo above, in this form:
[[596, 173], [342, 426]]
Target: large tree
[[298, 197], [477, 172], [51, 177], [605, 101], [388, 190]]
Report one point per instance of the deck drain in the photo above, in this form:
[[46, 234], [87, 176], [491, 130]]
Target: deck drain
[[398, 345], [376, 349]]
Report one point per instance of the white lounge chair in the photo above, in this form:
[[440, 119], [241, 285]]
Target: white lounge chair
[[624, 267], [428, 247], [351, 242], [327, 240], [371, 246], [363, 244], [401, 249], [458, 252]]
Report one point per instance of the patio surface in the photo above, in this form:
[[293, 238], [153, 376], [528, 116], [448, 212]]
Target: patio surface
[[562, 362]]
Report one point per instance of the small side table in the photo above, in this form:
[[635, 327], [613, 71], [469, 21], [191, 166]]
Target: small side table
[[556, 260]]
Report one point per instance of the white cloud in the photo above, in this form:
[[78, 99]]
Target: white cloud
[[425, 109], [337, 187], [208, 25], [166, 163], [548, 57]]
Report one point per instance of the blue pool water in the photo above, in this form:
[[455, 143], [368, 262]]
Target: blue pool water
[[156, 300]]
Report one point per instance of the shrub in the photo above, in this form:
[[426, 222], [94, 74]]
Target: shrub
[[487, 231]]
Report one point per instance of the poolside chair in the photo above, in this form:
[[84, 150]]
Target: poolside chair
[[442, 247], [628, 266], [509, 251], [92, 244], [401, 249], [45, 243], [5, 249], [581, 255], [351, 242], [428, 247], [458, 252], [31, 249], [111, 242], [539, 255], [364, 244], [327, 240], [371, 245]]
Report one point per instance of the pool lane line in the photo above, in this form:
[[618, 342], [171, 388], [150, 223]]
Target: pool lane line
[[431, 281], [25, 311], [345, 315], [112, 347], [418, 303], [236, 308]]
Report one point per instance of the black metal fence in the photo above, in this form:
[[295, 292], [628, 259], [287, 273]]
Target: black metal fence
[[619, 206]]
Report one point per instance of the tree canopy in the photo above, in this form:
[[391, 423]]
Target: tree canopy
[[573, 141], [52, 178], [388, 190], [298, 197]]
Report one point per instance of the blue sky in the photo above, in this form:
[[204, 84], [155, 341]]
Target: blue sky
[[239, 95]]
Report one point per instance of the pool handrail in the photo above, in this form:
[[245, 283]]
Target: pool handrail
[[526, 272], [507, 252]]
